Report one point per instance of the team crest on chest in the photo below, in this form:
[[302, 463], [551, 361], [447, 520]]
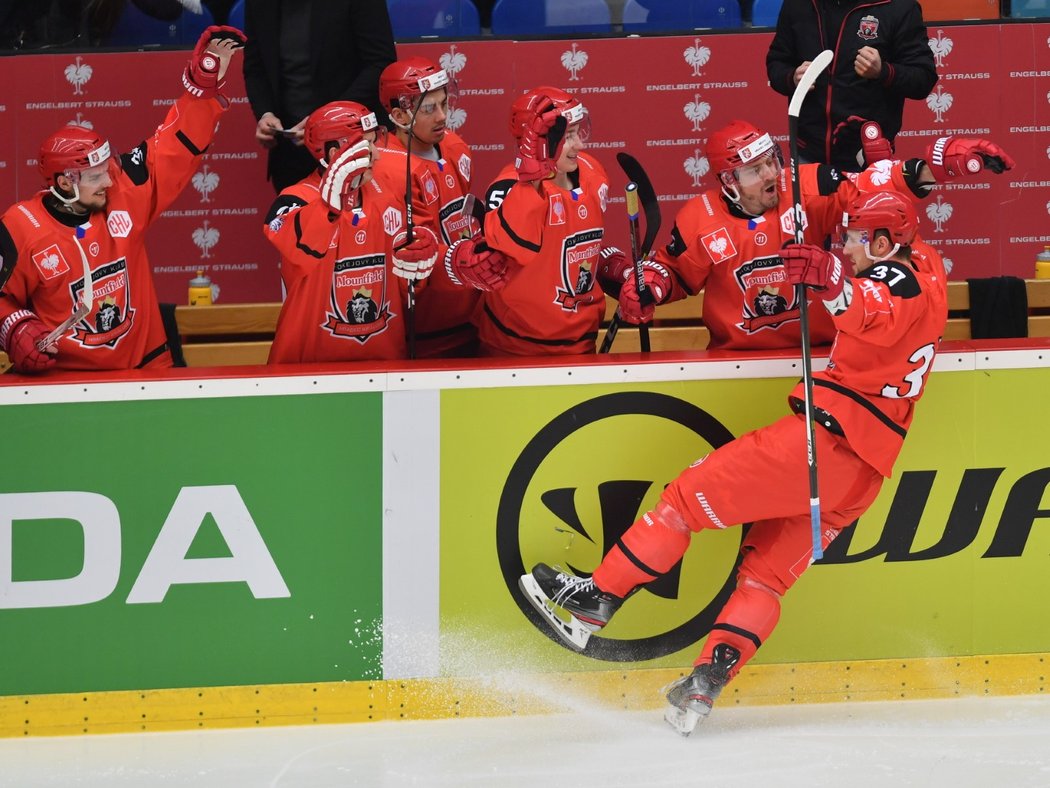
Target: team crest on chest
[[51, 262], [580, 252], [359, 308], [769, 299], [869, 28], [111, 316]]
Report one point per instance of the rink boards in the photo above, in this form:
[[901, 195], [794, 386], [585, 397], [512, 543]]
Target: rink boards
[[250, 547]]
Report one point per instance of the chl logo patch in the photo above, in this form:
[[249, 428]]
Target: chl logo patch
[[392, 221], [464, 167], [51, 262], [719, 245], [119, 224]]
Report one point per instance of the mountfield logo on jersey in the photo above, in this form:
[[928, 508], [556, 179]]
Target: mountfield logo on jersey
[[697, 56], [941, 46], [696, 167], [939, 213], [452, 61], [697, 111], [205, 182], [939, 102], [574, 60], [205, 238], [78, 74]]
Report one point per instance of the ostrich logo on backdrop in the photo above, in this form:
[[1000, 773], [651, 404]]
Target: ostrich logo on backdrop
[[206, 238], [697, 56], [79, 120], [205, 182], [574, 60], [452, 61], [697, 111], [456, 117], [556, 507], [78, 74], [941, 48], [939, 102], [696, 167], [939, 212]]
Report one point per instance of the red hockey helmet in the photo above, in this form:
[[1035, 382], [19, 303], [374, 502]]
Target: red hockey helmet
[[738, 144], [537, 100], [71, 150], [340, 122], [403, 81], [887, 211]]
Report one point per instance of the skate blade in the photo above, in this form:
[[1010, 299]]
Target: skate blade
[[682, 720], [574, 632]]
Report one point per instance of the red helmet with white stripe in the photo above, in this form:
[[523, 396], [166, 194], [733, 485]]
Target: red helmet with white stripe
[[71, 150], [887, 211], [541, 99], [404, 81], [339, 122]]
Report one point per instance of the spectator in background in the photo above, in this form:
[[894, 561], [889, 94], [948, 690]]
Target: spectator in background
[[305, 53], [882, 57], [89, 224]]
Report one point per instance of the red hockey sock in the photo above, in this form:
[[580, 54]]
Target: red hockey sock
[[648, 549], [745, 622]]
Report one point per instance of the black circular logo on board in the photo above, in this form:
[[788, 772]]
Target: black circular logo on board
[[620, 500]]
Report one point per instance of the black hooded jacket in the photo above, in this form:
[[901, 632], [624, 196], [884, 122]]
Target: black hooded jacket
[[894, 27]]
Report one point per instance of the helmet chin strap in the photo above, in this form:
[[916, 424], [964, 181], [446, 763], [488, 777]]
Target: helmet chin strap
[[68, 201], [893, 251], [732, 194]]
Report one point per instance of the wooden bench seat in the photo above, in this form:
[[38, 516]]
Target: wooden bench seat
[[240, 334]]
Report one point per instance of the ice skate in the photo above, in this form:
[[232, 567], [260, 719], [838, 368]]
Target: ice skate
[[588, 607], [691, 697]]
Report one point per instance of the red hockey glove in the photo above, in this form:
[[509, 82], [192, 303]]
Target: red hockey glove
[[658, 284], [874, 146], [344, 174], [955, 157], [415, 261], [613, 269], [471, 262], [810, 265], [19, 336], [540, 146], [205, 73]]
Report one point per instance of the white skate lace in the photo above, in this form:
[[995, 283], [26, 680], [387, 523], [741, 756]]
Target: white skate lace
[[572, 585]]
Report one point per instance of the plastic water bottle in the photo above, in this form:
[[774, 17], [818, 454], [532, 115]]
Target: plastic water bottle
[[1042, 263], [200, 289]]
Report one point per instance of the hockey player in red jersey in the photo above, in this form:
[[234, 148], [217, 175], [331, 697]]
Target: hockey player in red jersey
[[726, 241], [548, 217], [419, 95], [336, 231], [91, 222], [889, 318]]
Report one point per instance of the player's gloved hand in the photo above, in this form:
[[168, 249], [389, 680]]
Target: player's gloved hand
[[956, 157], [415, 261], [540, 146], [612, 270], [471, 262], [19, 335], [873, 146], [811, 265], [636, 307], [344, 175], [205, 73]]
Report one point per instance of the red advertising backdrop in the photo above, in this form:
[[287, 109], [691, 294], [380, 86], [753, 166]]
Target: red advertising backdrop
[[657, 98]]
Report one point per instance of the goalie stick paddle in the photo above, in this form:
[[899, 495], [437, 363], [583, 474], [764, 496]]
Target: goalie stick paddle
[[87, 300], [816, 68], [645, 194]]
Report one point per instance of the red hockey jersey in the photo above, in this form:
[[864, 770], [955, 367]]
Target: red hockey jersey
[[734, 258], [123, 330], [344, 302], [882, 356], [552, 303], [439, 188]]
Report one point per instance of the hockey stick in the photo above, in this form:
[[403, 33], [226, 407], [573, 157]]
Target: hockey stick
[[410, 318], [637, 175], [816, 68], [87, 300]]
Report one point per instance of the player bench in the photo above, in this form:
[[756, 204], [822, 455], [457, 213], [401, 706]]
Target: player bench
[[241, 334]]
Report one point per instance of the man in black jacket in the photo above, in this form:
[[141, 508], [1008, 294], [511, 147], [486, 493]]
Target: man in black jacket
[[302, 54], [882, 56]]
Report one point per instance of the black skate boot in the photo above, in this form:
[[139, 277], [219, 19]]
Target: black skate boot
[[691, 697], [588, 607]]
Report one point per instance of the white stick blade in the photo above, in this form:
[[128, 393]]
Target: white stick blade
[[816, 68]]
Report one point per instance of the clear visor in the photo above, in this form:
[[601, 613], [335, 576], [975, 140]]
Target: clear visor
[[760, 168], [429, 100], [97, 176], [852, 236]]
